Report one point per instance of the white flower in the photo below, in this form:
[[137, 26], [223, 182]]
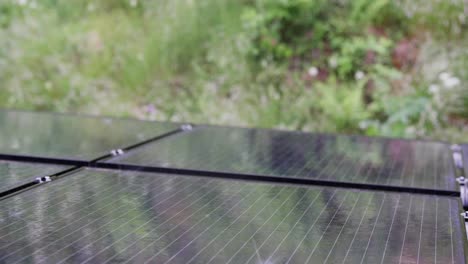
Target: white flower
[[363, 125], [133, 3], [140, 56], [333, 62], [359, 75], [411, 130], [451, 82], [90, 7], [22, 2], [313, 71], [444, 76], [433, 88]]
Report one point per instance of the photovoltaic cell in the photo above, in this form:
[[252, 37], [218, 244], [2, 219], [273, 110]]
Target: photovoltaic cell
[[106, 217], [14, 174], [73, 137], [356, 159]]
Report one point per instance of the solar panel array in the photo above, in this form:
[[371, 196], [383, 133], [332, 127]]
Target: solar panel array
[[93, 215]]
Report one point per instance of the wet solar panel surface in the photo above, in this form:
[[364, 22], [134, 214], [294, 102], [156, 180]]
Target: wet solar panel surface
[[72, 137], [396, 162], [107, 217], [14, 174], [465, 158]]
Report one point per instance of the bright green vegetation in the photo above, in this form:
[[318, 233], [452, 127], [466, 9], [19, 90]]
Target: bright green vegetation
[[378, 67]]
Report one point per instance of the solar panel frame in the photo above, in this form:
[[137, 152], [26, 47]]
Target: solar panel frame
[[143, 184]]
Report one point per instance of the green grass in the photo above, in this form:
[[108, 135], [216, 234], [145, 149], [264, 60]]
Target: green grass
[[211, 62]]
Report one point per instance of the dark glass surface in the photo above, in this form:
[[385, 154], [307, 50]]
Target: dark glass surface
[[77, 137], [110, 217], [465, 158], [292, 154], [14, 174]]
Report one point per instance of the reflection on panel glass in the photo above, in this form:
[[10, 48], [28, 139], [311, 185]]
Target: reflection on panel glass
[[292, 154], [52, 135], [465, 158], [106, 217], [13, 174]]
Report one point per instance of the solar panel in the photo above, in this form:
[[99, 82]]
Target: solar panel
[[14, 174], [465, 158], [73, 137], [106, 216], [377, 161]]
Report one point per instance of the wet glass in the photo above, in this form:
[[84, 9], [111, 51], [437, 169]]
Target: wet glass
[[14, 174], [99, 216], [358, 159], [70, 136]]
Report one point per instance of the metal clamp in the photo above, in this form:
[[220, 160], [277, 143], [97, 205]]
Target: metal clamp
[[457, 156], [458, 160], [43, 179], [186, 127], [117, 152], [456, 148], [465, 216], [464, 196]]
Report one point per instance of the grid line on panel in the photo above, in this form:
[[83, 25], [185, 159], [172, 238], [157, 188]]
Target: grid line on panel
[[76, 220], [357, 229], [391, 226], [323, 233], [451, 237], [244, 226], [199, 220], [199, 209], [76, 230], [271, 233], [261, 226], [152, 257], [406, 228], [373, 229], [29, 196], [421, 230], [220, 218], [341, 230], [310, 228]]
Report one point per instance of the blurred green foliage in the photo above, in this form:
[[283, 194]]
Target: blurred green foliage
[[379, 67]]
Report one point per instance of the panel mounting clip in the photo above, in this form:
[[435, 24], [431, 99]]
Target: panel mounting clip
[[464, 196], [186, 127], [465, 216], [117, 152], [43, 179], [457, 156]]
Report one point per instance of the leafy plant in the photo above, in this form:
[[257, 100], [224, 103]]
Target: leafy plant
[[342, 104], [276, 25]]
